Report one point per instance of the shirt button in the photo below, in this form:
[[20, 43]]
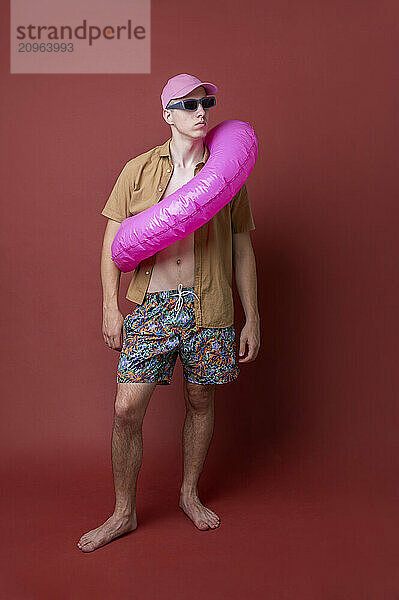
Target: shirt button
[[147, 272], [178, 261], [159, 189], [168, 170]]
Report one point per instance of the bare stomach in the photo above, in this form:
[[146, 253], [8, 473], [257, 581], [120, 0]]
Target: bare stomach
[[173, 265]]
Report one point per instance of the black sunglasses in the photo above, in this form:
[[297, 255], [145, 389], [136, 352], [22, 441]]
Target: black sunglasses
[[207, 102]]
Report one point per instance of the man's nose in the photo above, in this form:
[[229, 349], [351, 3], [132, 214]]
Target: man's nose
[[200, 110]]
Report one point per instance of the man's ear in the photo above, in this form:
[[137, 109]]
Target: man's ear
[[166, 114]]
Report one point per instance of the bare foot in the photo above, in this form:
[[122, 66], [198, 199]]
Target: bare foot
[[112, 528], [202, 517]]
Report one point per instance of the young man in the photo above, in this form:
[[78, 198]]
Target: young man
[[184, 307]]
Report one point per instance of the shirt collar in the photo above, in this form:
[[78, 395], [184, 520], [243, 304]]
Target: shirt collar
[[165, 151]]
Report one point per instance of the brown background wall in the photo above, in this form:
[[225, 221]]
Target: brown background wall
[[303, 465]]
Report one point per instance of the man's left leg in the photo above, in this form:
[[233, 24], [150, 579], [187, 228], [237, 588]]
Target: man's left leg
[[197, 435]]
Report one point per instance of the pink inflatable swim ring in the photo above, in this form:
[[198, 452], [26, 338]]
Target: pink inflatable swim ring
[[233, 149]]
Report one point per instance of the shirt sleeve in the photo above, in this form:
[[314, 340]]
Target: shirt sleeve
[[241, 213], [117, 205]]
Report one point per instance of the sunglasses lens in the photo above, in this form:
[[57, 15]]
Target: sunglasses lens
[[209, 102], [190, 104], [206, 103]]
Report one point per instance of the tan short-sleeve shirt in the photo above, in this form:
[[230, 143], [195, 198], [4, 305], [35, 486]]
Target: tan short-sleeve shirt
[[141, 184]]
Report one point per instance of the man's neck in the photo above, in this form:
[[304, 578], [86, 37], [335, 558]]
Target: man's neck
[[185, 152]]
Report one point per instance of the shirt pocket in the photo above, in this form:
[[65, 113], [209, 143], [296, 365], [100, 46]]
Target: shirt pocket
[[140, 200]]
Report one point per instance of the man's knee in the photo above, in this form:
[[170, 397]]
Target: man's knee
[[132, 400], [199, 397]]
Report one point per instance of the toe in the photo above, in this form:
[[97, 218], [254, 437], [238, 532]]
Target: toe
[[88, 547], [213, 524], [210, 513], [212, 518]]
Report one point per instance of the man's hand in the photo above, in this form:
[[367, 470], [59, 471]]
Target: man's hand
[[113, 328], [250, 336]]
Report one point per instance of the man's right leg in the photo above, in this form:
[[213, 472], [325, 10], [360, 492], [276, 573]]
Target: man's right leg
[[127, 451]]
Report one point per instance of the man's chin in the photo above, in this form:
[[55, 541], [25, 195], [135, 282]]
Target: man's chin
[[200, 131]]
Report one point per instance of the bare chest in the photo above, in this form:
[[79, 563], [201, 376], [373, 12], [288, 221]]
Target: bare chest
[[175, 263], [178, 179]]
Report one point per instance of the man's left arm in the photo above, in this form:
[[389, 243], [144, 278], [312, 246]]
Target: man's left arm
[[244, 265], [245, 276]]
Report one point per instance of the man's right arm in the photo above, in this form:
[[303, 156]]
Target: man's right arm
[[110, 278]]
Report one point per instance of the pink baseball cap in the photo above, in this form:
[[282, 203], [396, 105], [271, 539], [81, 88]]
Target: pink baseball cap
[[180, 85]]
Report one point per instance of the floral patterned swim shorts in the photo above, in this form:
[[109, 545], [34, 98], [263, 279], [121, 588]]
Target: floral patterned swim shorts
[[163, 327]]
